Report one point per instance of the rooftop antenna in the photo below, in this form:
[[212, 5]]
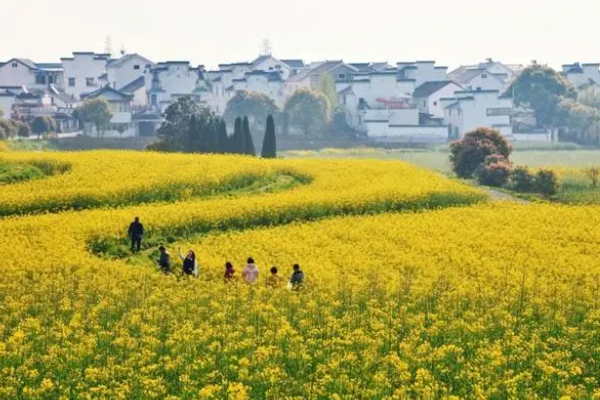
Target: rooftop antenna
[[108, 45], [266, 48]]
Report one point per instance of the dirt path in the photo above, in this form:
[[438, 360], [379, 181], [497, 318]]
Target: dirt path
[[496, 195]]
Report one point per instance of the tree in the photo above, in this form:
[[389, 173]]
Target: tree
[[339, 122], [327, 88], [96, 112], [40, 125], [1, 112], [188, 128], [24, 130], [541, 88], [469, 153], [223, 140], [269, 149], [580, 122], [257, 106], [308, 111], [589, 96], [248, 141], [238, 140], [495, 171]]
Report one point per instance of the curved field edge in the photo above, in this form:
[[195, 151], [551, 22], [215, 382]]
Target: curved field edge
[[266, 217], [13, 172]]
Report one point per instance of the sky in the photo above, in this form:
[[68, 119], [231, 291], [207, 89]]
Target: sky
[[209, 32]]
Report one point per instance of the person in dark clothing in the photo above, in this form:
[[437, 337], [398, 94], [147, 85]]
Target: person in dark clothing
[[136, 232], [297, 278], [164, 260], [190, 264], [229, 272]]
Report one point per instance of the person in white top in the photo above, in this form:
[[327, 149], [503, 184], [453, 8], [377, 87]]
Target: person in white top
[[250, 273], [190, 264]]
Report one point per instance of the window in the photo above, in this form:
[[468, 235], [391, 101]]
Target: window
[[344, 99], [450, 112], [435, 103], [15, 65], [71, 82], [153, 100], [89, 82], [483, 76], [270, 68], [40, 80], [341, 76], [51, 80], [478, 88], [136, 67]]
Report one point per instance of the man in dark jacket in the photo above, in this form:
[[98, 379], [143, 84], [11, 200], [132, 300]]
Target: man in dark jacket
[[297, 278], [136, 231]]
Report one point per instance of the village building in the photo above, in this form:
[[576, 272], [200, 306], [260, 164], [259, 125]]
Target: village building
[[582, 75], [82, 73], [121, 123]]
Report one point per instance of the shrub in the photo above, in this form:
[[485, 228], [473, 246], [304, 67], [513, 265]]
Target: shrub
[[8, 128], [522, 179], [546, 182], [494, 171], [470, 152], [593, 174]]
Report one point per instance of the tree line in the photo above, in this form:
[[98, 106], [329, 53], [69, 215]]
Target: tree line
[[192, 128]]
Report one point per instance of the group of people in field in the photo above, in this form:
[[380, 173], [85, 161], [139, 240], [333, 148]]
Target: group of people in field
[[250, 274]]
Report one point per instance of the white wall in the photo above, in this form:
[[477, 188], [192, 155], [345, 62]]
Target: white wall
[[6, 104], [478, 112], [272, 64], [81, 67], [17, 75], [434, 103], [486, 81], [176, 79], [125, 73]]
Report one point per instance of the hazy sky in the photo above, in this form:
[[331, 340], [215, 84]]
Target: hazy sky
[[208, 32]]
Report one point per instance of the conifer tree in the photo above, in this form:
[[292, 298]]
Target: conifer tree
[[269, 149], [248, 142], [222, 143], [238, 144]]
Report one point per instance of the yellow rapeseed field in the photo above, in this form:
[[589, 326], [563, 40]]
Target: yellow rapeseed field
[[458, 300]]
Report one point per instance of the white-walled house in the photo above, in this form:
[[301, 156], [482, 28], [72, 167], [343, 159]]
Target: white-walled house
[[268, 63], [121, 123], [168, 81], [421, 72], [338, 70], [374, 90], [267, 83], [24, 72], [468, 110], [123, 71], [428, 96], [581, 75], [480, 79], [83, 71], [504, 72], [296, 65]]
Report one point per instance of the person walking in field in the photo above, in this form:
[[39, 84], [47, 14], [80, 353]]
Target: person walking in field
[[274, 280], [250, 272], [164, 260], [297, 278], [229, 272], [190, 264], [136, 232]]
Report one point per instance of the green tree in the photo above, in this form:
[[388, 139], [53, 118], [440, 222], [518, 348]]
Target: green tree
[[590, 97], [96, 112], [339, 122], [469, 153], [327, 88], [580, 122], [308, 111], [223, 140], [248, 141], [238, 140], [541, 88], [257, 106], [24, 130], [188, 128], [269, 149], [40, 125]]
